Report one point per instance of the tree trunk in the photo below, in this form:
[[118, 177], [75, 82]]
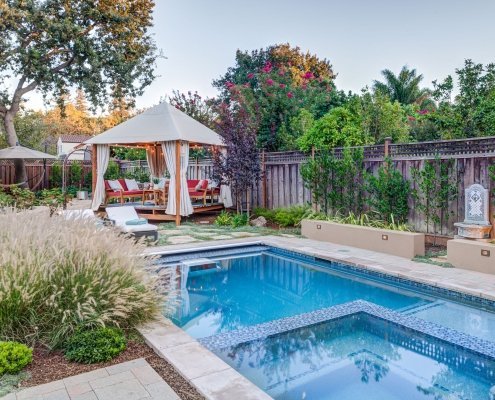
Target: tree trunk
[[20, 168]]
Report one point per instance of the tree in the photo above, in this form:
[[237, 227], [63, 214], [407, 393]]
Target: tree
[[277, 82], [239, 166], [403, 87], [195, 106], [341, 127], [53, 45]]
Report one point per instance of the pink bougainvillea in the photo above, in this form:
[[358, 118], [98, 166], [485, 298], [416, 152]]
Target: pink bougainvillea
[[282, 85], [411, 118], [229, 85], [290, 95], [308, 75], [423, 112], [269, 82], [250, 75], [267, 68]]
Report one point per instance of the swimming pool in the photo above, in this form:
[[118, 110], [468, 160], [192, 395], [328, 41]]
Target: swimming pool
[[244, 302], [266, 284]]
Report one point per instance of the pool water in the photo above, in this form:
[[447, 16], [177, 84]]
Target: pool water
[[265, 286], [361, 357]]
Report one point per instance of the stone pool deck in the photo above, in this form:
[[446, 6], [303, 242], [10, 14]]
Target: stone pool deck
[[218, 381], [132, 380]]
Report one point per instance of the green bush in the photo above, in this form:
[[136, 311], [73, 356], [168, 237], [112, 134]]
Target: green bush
[[113, 170], [95, 346], [388, 193], [239, 220], [224, 219], [285, 217], [14, 357], [60, 275]]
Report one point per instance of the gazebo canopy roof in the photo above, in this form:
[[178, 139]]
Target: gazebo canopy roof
[[160, 123]]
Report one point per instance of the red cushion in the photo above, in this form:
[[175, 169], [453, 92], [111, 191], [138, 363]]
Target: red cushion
[[122, 183], [205, 184], [111, 193], [196, 194], [107, 185], [191, 183], [130, 192]]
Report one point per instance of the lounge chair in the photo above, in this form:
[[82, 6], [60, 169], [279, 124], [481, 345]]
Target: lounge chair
[[198, 189], [126, 219]]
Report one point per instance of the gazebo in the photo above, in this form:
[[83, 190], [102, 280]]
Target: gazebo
[[166, 133]]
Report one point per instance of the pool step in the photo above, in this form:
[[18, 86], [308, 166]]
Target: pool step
[[200, 265]]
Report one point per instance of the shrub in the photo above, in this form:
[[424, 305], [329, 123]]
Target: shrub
[[361, 220], [290, 216], [239, 220], [95, 346], [14, 357], [224, 219], [58, 275], [389, 193]]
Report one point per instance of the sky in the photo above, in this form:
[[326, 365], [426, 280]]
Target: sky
[[359, 37]]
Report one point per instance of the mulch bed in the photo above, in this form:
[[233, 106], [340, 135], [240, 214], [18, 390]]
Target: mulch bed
[[51, 366]]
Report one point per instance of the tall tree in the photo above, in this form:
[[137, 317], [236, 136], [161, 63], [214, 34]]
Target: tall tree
[[202, 110], [53, 45], [404, 87]]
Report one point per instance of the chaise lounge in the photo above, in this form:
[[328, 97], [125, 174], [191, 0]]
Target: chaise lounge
[[127, 220]]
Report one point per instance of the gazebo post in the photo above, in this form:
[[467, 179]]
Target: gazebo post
[[177, 182], [93, 168]]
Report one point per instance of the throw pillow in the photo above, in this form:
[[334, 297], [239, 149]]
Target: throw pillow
[[131, 184]]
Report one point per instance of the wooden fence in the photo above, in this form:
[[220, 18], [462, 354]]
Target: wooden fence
[[282, 184], [35, 169]]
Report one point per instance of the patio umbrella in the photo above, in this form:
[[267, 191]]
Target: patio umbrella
[[20, 152]]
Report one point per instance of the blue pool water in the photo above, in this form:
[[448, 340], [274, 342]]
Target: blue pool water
[[361, 357], [252, 289]]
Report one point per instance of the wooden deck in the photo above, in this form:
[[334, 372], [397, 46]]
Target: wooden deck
[[157, 213]]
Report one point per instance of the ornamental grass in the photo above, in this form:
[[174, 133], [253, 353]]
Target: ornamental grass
[[59, 275]]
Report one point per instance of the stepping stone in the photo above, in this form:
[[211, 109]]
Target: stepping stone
[[181, 239], [221, 237], [287, 235], [171, 232], [243, 234]]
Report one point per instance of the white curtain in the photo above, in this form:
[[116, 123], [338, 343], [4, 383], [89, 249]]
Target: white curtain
[[155, 161], [151, 162], [102, 159], [186, 207], [225, 196], [169, 154]]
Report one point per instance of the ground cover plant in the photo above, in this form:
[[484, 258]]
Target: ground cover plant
[[369, 220], [58, 276], [284, 216]]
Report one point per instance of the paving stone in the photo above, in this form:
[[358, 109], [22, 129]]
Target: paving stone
[[171, 232], [111, 379], [37, 391], [146, 375], [221, 237], [128, 390], [228, 385], [162, 391], [243, 234], [85, 396], [126, 366], [181, 239], [58, 395], [193, 360], [10, 396], [78, 388], [161, 335], [86, 377]]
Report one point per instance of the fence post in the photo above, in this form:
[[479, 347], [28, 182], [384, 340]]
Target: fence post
[[388, 142]]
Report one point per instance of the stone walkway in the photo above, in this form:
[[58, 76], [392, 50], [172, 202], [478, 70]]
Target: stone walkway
[[132, 380]]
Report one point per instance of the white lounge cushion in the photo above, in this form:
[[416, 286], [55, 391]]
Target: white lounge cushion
[[127, 213], [131, 184], [115, 186]]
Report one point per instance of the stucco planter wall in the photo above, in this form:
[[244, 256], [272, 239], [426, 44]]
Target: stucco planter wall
[[397, 243], [473, 255]]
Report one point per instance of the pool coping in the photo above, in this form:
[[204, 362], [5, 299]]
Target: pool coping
[[215, 379]]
